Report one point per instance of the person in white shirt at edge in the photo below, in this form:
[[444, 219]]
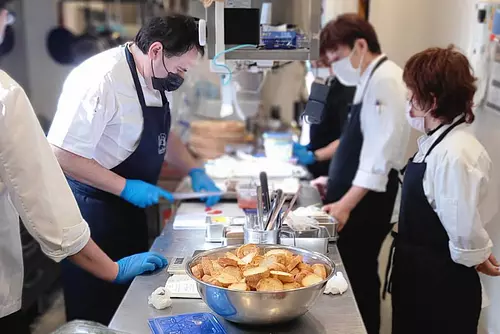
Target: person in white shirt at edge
[[32, 186], [111, 135], [447, 199], [363, 176]]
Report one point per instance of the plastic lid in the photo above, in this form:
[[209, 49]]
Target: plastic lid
[[277, 135]]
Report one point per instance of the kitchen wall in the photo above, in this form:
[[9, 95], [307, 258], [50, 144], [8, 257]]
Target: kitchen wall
[[42, 78], [332, 9], [29, 63], [15, 62], [45, 76], [406, 27]]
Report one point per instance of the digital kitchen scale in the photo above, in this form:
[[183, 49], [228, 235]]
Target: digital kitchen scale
[[177, 265]]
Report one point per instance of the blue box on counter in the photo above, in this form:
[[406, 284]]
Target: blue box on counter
[[279, 39], [193, 323]]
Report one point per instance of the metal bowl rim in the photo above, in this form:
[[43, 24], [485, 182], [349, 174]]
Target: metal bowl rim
[[276, 246]]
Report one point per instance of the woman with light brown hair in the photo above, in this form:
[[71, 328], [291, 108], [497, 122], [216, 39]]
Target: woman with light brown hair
[[446, 202]]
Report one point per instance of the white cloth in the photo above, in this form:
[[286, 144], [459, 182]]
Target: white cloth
[[99, 115], [457, 186], [160, 298], [336, 285], [32, 185], [383, 124]]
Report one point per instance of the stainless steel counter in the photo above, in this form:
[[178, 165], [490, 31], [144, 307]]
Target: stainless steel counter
[[337, 314]]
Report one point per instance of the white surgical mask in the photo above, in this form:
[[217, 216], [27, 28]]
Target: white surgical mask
[[417, 122], [346, 73]]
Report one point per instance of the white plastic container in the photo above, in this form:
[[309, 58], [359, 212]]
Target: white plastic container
[[278, 145]]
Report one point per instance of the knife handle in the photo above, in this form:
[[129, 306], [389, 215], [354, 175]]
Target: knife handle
[[265, 192]]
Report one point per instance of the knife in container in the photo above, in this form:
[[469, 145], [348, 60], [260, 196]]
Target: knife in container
[[265, 192]]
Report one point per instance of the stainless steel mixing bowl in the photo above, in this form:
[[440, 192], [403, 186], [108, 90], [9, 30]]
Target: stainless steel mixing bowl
[[257, 307]]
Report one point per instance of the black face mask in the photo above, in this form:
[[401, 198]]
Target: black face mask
[[172, 82]]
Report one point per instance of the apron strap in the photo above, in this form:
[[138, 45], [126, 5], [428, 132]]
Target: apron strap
[[379, 63], [164, 100], [441, 137], [137, 83], [388, 269]]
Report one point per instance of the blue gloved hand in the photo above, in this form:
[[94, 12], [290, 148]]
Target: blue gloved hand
[[138, 264], [143, 194], [297, 148], [201, 182], [303, 154]]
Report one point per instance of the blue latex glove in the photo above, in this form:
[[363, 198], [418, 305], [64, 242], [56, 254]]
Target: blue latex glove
[[201, 182], [143, 194], [138, 264], [303, 154]]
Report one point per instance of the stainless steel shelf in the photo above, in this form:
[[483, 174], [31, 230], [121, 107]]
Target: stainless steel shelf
[[278, 55]]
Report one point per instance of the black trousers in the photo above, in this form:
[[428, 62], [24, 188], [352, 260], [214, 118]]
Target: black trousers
[[359, 245], [14, 323]]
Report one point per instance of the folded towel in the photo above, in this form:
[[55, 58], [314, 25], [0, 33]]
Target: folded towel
[[336, 285], [160, 298]]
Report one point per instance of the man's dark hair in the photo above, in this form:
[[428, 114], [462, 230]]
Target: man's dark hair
[[345, 30], [177, 33], [4, 3]]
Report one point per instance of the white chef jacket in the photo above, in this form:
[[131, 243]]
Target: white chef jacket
[[32, 185], [457, 186], [99, 115], [383, 124]]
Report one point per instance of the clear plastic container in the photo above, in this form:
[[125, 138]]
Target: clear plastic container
[[278, 145], [246, 195]]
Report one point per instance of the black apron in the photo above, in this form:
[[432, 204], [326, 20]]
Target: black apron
[[118, 227], [369, 223], [430, 293]]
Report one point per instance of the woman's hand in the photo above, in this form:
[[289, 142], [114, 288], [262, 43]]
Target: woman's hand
[[320, 184], [490, 267], [338, 211]]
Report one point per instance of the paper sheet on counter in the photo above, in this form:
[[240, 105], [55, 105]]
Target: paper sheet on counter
[[182, 286], [192, 216]]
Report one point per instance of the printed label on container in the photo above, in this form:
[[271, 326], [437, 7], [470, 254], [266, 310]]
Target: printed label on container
[[238, 3]]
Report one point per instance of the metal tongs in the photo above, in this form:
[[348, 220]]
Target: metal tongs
[[269, 207]]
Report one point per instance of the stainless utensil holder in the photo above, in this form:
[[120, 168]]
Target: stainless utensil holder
[[255, 233]]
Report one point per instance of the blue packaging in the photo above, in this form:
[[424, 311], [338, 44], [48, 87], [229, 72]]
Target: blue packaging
[[279, 39], [193, 323]]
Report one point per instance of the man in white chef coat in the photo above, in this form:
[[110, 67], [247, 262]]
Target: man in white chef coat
[[33, 187], [111, 135], [363, 176]]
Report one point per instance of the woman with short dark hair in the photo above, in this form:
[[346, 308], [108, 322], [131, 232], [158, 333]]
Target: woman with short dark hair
[[446, 202]]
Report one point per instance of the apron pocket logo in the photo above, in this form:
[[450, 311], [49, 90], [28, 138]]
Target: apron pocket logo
[[162, 143]]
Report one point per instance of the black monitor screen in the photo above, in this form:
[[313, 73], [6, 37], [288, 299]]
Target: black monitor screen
[[242, 26]]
